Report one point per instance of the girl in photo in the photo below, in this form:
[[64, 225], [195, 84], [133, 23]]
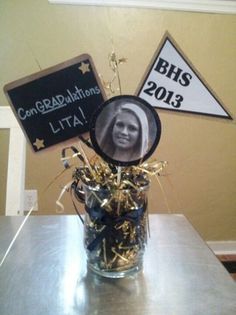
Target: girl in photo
[[125, 137]]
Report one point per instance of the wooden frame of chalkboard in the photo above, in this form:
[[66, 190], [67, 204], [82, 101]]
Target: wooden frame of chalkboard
[[56, 104]]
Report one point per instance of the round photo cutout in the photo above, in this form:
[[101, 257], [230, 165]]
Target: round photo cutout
[[125, 130]]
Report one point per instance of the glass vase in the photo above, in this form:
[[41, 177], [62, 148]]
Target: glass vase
[[115, 230]]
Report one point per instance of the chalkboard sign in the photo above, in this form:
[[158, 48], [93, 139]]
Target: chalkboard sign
[[56, 104]]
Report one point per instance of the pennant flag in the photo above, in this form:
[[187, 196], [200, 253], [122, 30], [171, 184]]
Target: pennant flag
[[172, 83]]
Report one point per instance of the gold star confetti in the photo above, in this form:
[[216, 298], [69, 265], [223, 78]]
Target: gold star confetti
[[39, 143], [84, 67]]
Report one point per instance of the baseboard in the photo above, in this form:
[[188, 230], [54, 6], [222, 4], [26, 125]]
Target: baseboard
[[223, 247]]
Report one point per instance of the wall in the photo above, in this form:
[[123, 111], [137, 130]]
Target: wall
[[201, 181]]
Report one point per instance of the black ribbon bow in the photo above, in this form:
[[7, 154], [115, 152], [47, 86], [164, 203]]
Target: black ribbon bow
[[103, 218]]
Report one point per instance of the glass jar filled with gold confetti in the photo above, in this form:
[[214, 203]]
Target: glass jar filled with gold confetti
[[115, 229]]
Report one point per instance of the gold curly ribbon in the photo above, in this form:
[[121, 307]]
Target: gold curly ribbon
[[114, 64], [98, 174]]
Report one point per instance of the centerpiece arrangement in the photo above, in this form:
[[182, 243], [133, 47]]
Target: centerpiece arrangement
[[113, 185]]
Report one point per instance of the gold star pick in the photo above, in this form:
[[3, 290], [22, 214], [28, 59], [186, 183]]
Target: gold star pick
[[84, 67], [39, 143]]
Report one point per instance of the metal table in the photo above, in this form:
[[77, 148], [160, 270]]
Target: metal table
[[45, 273]]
